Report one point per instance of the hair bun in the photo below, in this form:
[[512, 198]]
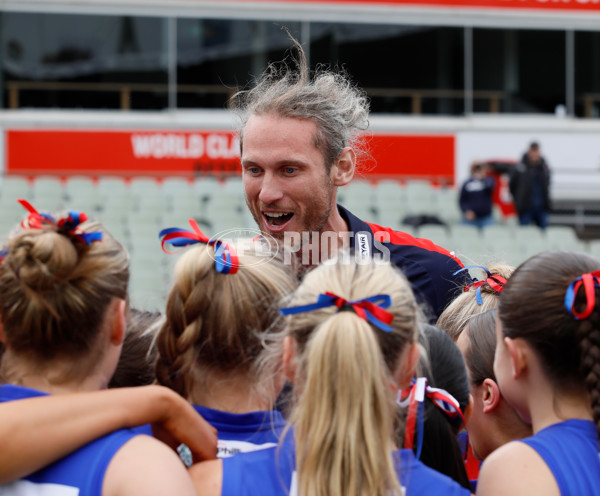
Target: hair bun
[[42, 259]]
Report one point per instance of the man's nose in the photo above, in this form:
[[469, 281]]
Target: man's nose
[[270, 190]]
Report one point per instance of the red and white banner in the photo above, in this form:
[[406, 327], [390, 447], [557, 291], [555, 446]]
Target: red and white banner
[[171, 152]]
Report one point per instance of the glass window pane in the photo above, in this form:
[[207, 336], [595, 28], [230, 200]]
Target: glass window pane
[[215, 57], [587, 74], [525, 69], [84, 61], [405, 69]]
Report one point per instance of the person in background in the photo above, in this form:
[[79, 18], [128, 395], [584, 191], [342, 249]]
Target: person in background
[[530, 188], [476, 197]]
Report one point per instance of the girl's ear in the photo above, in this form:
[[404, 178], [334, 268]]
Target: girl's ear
[[289, 358], [491, 395]]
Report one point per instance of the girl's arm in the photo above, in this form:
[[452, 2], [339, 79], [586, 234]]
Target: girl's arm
[[38, 431]]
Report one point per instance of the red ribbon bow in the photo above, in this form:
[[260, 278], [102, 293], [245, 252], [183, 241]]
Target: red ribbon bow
[[226, 259]]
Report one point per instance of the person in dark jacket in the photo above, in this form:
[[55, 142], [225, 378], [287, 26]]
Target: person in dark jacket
[[530, 188], [476, 197]]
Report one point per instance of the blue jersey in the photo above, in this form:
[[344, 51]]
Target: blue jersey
[[244, 432], [79, 474], [236, 432], [429, 268], [571, 451], [272, 472]]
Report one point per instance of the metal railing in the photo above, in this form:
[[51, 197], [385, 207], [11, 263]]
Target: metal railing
[[125, 90]]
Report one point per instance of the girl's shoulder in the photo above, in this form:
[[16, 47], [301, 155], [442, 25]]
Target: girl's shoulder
[[504, 472]]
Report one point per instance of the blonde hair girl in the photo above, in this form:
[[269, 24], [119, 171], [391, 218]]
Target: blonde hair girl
[[479, 297], [351, 344]]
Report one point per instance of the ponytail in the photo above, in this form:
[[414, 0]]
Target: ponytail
[[344, 417]]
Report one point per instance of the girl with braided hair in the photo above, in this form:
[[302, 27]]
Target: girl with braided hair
[[547, 364], [220, 344], [63, 292]]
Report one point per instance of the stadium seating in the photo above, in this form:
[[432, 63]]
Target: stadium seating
[[135, 211]]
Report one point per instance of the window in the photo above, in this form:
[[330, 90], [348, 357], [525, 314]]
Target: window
[[526, 68], [587, 74], [83, 61], [405, 69], [217, 57]]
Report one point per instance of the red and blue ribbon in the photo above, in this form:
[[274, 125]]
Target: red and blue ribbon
[[496, 282], [367, 309], [68, 226], [226, 259], [590, 282], [414, 398]]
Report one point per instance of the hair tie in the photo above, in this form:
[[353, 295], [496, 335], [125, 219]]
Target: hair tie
[[414, 398], [226, 259], [366, 309], [496, 282], [590, 281], [68, 226]]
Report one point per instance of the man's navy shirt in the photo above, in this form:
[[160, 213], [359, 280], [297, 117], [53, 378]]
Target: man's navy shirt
[[429, 268]]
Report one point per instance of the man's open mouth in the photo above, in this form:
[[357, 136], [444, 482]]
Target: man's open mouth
[[277, 218]]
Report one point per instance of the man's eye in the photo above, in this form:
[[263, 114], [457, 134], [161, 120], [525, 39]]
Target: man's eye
[[290, 170]]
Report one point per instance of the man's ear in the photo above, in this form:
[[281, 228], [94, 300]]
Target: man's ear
[[518, 357], [342, 171], [119, 322], [289, 358], [490, 395]]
